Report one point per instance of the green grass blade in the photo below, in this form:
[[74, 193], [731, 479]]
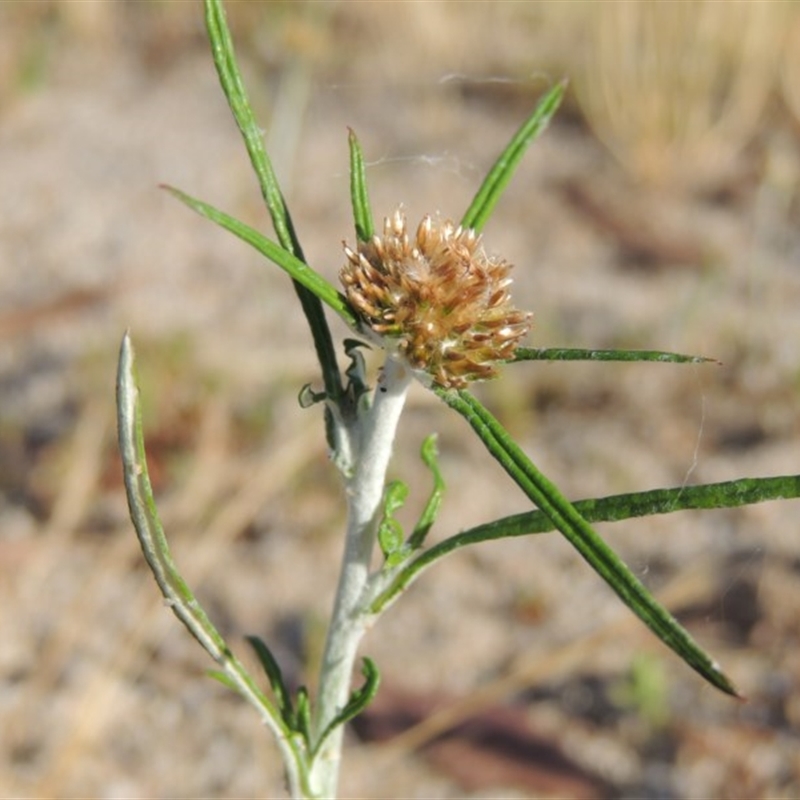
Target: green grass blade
[[728, 494], [583, 538], [232, 85], [500, 174], [299, 271], [362, 212], [580, 354]]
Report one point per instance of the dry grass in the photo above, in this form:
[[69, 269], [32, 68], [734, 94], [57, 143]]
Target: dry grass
[[790, 68], [677, 91]]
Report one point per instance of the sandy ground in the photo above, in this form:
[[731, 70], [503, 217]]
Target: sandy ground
[[558, 690]]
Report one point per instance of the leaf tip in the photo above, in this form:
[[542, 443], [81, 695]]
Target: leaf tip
[[724, 683], [126, 354]]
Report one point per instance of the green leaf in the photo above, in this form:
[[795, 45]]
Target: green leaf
[[145, 514], [394, 497], [230, 79], [500, 174], [579, 354], [390, 539], [362, 212], [275, 677], [356, 372], [233, 87], [307, 397], [359, 700], [390, 532], [302, 722], [583, 538], [430, 455], [222, 678], [176, 592], [727, 494], [298, 270]]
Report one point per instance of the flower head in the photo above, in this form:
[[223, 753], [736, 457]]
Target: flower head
[[438, 302]]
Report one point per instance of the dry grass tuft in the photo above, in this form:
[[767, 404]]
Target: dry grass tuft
[[677, 90]]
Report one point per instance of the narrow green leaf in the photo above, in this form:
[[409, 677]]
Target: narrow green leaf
[[298, 270], [579, 354], [230, 79], [394, 497], [155, 548], [390, 539], [500, 174], [728, 494], [359, 699], [362, 212], [583, 538], [274, 675], [390, 532], [221, 677], [430, 455], [233, 87], [302, 722], [145, 515]]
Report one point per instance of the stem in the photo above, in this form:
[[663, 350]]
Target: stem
[[374, 436]]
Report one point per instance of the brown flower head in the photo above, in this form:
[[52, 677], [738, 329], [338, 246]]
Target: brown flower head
[[438, 302]]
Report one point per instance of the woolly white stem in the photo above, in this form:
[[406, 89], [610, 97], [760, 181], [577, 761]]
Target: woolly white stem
[[374, 439]]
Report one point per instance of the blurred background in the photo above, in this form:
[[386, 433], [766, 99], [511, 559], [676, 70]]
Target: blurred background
[[660, 210]]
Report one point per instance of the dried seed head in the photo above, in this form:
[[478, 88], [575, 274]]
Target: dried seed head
[[438, 302]]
